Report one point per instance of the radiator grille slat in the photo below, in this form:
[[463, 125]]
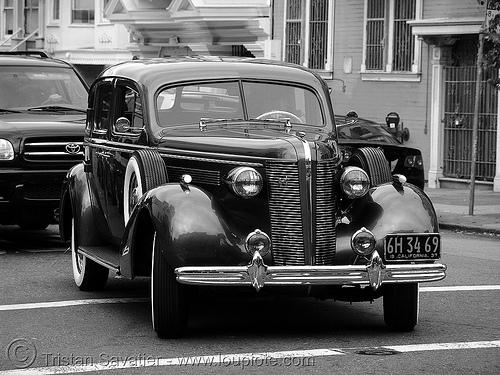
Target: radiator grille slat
[[287, 224]]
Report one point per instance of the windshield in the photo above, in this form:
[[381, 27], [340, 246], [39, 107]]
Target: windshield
[[25, 87], [364, 131], [188, 104]]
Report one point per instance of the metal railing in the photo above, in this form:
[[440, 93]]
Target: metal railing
[[10, 37], [25, 39]]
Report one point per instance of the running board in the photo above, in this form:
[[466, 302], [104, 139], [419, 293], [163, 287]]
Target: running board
[[106, 256]]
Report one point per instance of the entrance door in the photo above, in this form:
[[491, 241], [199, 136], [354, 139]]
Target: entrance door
[[460, 93]]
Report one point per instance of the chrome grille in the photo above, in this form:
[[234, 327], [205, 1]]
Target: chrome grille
[[53, 150], [325, 213], [286, 216], [200, 176]]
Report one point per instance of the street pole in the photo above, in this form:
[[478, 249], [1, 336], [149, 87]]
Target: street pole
[[475, 124]]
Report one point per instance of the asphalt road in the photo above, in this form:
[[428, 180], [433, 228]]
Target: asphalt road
[[48, 326]]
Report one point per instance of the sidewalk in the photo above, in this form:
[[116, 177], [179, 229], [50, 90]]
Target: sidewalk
[[452, 208]]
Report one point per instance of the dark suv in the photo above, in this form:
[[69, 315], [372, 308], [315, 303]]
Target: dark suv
[[43, 103]]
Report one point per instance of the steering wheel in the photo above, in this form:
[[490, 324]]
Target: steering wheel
[[279, 114], [59, 100]]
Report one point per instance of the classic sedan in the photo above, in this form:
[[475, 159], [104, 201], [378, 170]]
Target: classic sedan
[[213, 172]]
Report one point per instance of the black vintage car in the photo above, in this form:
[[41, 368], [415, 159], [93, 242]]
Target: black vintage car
[[354, 133], [43, 102], [211, 172]]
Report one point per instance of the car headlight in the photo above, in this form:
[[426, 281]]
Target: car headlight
[[354, 182], [246, 182], [414, 161], [6, 150]]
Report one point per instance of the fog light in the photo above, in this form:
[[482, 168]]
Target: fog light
[[258, 241], [363, 242]]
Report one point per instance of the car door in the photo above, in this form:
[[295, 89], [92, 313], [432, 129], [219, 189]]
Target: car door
[[99, 154], [127, 135]]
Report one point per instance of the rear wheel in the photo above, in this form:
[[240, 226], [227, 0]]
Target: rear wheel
[[169, 304], [372, 161], [88, 275], [401, 306], [145, 171]]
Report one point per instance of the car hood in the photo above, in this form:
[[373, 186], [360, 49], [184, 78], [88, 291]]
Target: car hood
[[22, 125], [255, 140]]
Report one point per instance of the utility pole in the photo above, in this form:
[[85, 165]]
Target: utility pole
[[475, 124]]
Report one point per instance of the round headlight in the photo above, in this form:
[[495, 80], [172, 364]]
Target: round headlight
[[246, 182], [354, 182], [6, 150], [363, 242]]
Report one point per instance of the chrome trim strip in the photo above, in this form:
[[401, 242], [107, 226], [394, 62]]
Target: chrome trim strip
[[180, 157]]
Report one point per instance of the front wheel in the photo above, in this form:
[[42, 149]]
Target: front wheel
[[88, 275], [169, 304], [401, 305]]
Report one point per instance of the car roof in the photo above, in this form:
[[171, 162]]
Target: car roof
[[30, 60], [154, 73]]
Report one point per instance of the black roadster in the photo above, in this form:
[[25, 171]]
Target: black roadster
[[208, 172]]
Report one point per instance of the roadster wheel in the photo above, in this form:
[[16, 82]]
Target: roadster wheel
[[169, 305], [88, 275], [372, 161], [401, 305], [145, 171]]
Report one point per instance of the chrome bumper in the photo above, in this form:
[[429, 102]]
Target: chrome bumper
[[257, 274]]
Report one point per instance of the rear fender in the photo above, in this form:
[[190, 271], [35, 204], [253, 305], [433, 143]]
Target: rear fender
[[388, 208], [76, 202], [193, 229]]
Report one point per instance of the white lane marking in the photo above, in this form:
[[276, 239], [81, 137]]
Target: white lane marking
[[242, 359], [43, 305], [459, 288], [98, 301]]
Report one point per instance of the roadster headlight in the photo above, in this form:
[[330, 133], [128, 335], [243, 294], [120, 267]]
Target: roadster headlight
[[6, 150], [246, 182], [354, 182]]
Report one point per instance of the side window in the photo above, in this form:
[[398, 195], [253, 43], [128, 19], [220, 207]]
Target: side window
[[129, 105], [103, 106]]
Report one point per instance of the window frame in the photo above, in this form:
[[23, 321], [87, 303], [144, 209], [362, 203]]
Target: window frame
[[81, 23], [305, 23], [388, 73]]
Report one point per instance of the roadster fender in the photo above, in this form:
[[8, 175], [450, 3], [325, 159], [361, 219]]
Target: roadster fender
[[190, 225]]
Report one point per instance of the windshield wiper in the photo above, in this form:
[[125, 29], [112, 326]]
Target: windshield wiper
[[5, 110], [56, 108]]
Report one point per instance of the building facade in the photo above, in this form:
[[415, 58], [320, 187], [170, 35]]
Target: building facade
[[414, 57]]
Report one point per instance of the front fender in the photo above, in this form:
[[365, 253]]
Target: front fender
[[386, 209], [192, 227]]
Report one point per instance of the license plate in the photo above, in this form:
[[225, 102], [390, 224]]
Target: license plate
[[412, 247]]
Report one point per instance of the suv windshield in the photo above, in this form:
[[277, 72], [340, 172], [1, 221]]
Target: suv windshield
[[224, 100], [23, 87]]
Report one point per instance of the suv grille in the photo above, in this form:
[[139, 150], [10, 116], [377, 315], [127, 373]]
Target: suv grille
[[287, 225], [53, 150]]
